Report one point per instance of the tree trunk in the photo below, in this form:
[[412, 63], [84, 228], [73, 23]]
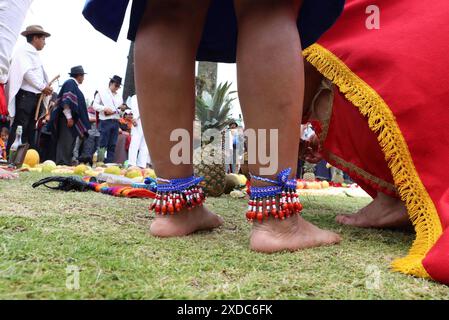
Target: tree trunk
[[207, 77], [129, 88]]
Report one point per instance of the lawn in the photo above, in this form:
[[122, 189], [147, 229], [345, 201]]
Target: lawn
[[45, 234]]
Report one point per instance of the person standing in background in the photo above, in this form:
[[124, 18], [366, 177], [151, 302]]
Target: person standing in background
[[107, 103], [12, 15], [91, 143], [69, 120], [138, 150], [27, 81]]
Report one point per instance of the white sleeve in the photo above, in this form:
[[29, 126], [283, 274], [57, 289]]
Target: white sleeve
[[98, 106], [67, 112], [33, 79]]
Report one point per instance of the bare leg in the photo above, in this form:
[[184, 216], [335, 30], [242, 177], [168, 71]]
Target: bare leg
[[383, 212], [165, 51], [271, 90]]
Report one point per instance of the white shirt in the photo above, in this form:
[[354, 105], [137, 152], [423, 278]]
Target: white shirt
[[35, 79], [107, 99]]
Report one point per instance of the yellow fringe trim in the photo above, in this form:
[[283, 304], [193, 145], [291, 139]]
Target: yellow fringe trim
[[381, 120]]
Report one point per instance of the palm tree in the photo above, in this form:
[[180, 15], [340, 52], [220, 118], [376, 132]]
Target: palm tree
[[207, 77], [129, 88]]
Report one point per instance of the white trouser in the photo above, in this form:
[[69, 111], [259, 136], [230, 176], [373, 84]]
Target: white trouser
[[12, 15], [138, 151]]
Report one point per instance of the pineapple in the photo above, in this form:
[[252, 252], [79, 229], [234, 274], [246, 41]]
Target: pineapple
[[309, 171], [213, 113], [214, 173], [101, 154]]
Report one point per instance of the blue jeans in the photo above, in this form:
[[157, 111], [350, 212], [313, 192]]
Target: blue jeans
[[108, 137]]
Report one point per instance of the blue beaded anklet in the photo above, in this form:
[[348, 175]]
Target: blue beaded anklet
[[263, 201], [174, 195]]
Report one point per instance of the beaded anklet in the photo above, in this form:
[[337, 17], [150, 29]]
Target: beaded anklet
[[174, 195], [279, 201]]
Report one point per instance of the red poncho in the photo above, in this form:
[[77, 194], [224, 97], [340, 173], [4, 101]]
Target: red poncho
[[397, 77]]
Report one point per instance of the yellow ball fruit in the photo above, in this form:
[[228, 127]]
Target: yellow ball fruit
[[80, 170], [113, 170], [242, 179], [150, 173], [300, 185], [31, 158], [48, 166], [134, 173]]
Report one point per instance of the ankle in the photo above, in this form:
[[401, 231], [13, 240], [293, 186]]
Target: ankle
[[277, 226], [278, 200], [177, 196]]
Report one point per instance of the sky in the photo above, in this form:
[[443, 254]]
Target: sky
[[74, 42]]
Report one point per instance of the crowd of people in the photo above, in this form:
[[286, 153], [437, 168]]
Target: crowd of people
[[61, 126]]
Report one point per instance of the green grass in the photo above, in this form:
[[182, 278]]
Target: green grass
[[42, 232]]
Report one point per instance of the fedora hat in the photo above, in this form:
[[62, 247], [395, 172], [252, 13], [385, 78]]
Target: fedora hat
[[76, 71], [35, 29], [117, 80]]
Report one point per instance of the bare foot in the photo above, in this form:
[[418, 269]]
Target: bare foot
[[7, 175], [291, 234], [383, 212], [185, 223]]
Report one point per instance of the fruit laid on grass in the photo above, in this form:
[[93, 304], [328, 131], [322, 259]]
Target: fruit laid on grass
[[134, 173], [80, 169], [31, 158], [113, 170]]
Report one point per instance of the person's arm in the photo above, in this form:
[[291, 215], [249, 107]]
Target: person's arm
[[33, 78], [98, 106], [68, 114]]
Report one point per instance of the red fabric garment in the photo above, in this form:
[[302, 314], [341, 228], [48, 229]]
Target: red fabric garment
[[352, 146], [3, 104], [397, 77]]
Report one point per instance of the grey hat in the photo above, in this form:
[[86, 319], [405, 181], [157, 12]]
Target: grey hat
[[35, 29]]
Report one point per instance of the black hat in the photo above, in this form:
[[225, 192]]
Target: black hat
[[117, 80], [76, 71]]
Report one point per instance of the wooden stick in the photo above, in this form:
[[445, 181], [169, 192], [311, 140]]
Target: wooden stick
[[38, 108]]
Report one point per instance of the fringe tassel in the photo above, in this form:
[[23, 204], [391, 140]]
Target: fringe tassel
[[381, 120]]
